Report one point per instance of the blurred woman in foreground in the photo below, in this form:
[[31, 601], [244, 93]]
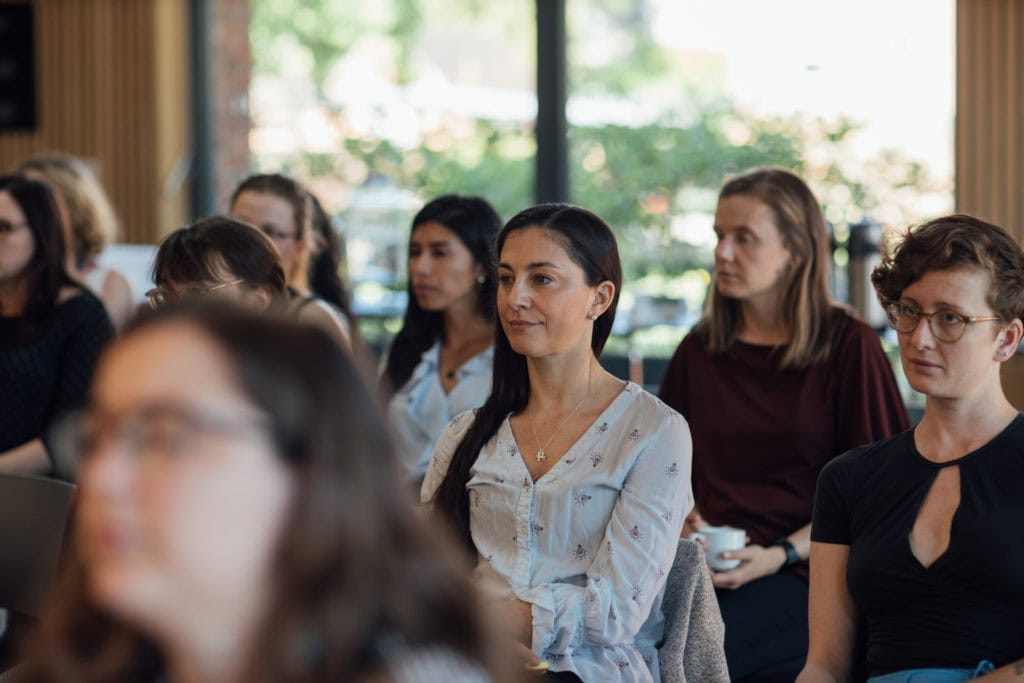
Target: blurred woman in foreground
[[241, 519]]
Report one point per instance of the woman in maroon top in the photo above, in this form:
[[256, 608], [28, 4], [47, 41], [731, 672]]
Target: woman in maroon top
[[775, 381]]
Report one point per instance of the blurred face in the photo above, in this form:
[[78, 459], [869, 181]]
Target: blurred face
[[442, 270], [17, 244], [274, 216], [543, 297], [960, 369], [182, 496], [750, 258]]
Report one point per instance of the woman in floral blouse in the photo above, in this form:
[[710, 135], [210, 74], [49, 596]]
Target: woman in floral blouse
[[569, 486]]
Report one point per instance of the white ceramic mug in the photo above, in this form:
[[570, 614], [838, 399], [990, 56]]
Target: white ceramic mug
[[718, 540]]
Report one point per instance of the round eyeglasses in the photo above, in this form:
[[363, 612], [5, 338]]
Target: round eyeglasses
[[945, 325], [158, 297]]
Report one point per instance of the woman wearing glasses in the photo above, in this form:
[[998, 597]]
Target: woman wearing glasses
[[228, 259], [240, 519], [51, 328], [775, 381], [284, 211], [916, 537]]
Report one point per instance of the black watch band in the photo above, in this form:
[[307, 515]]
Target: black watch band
[[792, 556]]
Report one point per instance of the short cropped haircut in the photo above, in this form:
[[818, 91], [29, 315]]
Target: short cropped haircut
[[950, 242]]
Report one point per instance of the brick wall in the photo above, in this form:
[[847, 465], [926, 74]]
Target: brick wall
[[231, 68]]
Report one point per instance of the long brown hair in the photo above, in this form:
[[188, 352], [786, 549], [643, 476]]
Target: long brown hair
[[806, 301], [356, 570]]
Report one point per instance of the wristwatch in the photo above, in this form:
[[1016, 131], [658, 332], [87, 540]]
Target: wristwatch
[[792, 556]]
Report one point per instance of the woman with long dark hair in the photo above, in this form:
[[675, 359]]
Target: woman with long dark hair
[[241, 520], [439, 363], [568, 486], [775, 381], [90, 226], [52, 329]]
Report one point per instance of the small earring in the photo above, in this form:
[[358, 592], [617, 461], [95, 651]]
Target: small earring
[[480, 279]]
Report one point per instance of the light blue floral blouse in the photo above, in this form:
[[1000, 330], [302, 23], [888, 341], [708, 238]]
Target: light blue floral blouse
[[590, 543], [419, 411]]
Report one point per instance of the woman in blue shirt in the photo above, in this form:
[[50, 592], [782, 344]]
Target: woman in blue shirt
[[440, 362], [569, 486]]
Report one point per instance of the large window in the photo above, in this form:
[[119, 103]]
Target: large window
[[380, 106]]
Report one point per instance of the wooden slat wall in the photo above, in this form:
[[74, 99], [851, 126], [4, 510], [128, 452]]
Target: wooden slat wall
[[112, 87], [990, 111], [990, 127]]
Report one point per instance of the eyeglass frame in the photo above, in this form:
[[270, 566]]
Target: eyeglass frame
[[153, 295], [72, 447], [14, 225], [892, 314]]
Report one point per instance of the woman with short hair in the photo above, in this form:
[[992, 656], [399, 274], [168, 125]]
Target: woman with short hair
[[915, 537]]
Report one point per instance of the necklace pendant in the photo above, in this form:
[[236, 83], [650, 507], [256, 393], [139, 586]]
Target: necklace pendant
[[541, 457]]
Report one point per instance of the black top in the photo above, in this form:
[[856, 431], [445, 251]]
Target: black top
[[969, 604], [49, 374]]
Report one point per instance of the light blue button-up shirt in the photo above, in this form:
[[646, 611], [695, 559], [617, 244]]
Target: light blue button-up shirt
[[419, 411], [590, 543]]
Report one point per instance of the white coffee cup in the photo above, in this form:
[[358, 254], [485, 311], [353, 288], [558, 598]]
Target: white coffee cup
[[718, 540]]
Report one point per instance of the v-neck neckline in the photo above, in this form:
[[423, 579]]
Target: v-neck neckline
[[627, 389]]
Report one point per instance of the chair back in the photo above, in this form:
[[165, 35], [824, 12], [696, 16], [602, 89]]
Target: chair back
[[693, 646], [34, 514]]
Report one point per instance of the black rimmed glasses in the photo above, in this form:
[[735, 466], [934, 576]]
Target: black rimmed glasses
[[159, 297], [945, 325]]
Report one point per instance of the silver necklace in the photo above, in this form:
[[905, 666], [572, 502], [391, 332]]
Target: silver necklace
[[541, 456]]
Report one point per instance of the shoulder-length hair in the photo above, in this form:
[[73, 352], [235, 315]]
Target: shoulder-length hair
[[810, 314], [93, 221], [476, 224], [356, 570], [591, 244], [219, 247], [45, 273]]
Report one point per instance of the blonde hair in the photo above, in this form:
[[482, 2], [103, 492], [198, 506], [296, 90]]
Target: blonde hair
[[806, 302], [93, 222]]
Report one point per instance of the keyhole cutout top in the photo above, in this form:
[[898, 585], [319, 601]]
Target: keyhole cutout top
[[929, 538]]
